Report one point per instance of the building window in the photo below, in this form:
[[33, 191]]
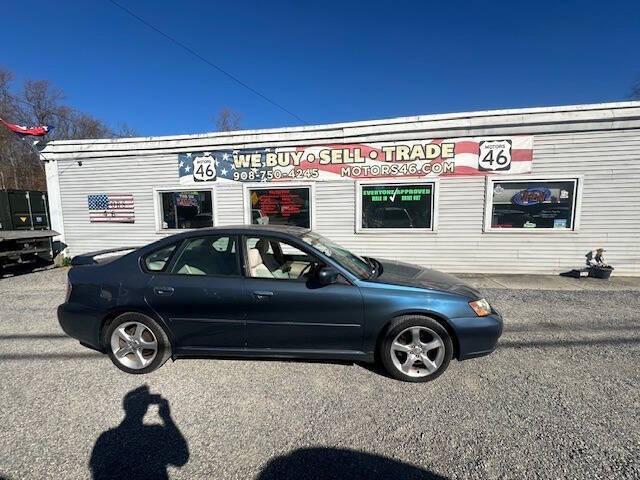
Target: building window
[[186, 209], [395, 206], [532, 204], [280, 206]]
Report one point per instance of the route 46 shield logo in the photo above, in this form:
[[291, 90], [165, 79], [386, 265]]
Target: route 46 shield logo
[[204, 168], [495, 155]]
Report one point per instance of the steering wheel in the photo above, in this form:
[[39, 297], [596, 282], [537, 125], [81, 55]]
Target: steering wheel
[[305, 270]]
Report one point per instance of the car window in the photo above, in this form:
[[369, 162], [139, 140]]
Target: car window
[[208, 256], [277, 259], [224, 244], [158, 260]]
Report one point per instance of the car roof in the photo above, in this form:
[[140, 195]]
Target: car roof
[[244, 230]]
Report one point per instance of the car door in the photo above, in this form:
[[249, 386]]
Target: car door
[[200, 295], [292, 314]]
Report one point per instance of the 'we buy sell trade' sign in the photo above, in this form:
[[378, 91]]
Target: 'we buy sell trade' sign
[[389, 160]]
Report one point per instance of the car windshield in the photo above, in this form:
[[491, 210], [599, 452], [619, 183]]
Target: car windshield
[[358, 266]]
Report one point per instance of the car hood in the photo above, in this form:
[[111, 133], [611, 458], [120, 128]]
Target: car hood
[[399, 273]]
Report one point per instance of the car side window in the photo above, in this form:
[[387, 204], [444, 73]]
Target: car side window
[[157, 261], [277, 259], [208, 256]]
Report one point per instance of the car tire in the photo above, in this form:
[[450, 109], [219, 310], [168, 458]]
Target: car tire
[[136, 343], [412, 358]]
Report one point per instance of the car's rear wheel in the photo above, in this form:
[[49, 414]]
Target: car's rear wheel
[[416, 349], [136, 343]]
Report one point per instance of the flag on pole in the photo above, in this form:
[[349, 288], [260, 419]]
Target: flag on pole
[[36, 131]]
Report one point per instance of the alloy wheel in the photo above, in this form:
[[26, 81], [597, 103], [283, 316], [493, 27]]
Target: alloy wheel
[[417, 351], [134, 345]]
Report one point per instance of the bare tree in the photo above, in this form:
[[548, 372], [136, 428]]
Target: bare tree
[[125, 131], [228, 120]]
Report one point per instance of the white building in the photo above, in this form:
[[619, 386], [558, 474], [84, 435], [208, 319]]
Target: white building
[[512, 191]]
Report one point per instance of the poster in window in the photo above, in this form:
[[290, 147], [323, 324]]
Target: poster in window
[[281, 206], [533, 204], [397, 206]]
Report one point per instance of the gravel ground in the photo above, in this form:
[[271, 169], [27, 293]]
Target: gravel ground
[[559, 399]]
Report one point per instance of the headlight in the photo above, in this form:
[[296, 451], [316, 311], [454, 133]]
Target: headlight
[[481, 307]]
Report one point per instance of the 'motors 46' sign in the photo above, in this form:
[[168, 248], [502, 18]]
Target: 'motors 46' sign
[[412, 159]]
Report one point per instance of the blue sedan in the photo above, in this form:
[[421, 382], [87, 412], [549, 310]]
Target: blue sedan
[[267, 291]]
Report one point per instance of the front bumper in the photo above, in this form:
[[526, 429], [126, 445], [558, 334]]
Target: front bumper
[[81, 323], [477, 336]]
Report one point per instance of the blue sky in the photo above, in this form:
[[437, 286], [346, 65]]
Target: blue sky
[[326, 61]]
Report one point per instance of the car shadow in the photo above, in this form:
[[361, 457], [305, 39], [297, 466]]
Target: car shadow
[[337, 463], [135, 450]]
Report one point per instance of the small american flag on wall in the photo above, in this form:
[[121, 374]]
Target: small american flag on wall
[[111, 207]]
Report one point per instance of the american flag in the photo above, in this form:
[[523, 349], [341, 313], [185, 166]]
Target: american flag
[[113, 208]]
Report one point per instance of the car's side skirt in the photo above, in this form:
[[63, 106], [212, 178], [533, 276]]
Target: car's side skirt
[[348, 355]]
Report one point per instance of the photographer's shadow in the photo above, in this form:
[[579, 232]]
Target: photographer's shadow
[[134, 450]]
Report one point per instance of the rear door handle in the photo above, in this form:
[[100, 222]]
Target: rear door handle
[[163, 291], [261, 295]]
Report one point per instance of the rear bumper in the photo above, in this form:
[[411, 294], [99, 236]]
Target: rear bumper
[[477, 336], [81, 323]]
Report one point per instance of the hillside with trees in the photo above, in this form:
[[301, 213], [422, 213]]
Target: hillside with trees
[[38, 102]]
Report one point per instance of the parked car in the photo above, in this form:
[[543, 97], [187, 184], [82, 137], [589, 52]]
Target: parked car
[[267, 291]]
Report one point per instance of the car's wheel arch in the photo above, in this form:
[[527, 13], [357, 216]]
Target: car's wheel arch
[[116, 312], [441, 319]]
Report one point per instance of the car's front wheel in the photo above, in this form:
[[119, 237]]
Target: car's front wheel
[[136, 343], [416, 349]]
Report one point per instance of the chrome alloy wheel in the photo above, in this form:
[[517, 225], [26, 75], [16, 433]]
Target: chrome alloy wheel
[[417, 351], [134, 345]]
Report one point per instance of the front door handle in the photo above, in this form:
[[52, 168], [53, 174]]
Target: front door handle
[[262, 295], [163, 291]]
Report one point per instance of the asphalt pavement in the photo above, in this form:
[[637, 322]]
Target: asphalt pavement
[[560, 398]]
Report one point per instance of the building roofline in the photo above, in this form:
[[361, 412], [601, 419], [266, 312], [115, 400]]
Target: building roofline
[[595, 107]]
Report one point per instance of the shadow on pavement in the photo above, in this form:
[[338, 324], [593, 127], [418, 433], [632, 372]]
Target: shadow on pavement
[[19, 270], [36, 336], [134, 450], [6, 357], [334, 463]]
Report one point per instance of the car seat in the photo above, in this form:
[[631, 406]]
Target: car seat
[[256, 266]]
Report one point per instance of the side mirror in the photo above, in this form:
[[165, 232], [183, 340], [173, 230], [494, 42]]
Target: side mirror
[[327, 275]]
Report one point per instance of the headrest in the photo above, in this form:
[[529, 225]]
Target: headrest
[[255, 258], [262, 246]]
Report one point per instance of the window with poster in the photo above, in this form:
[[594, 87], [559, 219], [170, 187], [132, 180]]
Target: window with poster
[[279, 206], [395, 206], [532, 204], [185, 209]]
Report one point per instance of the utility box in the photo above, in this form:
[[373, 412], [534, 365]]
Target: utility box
[[25, 230]]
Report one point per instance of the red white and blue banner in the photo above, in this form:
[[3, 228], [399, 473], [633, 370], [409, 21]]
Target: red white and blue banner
[[384, 160], [37, 131], [111, 208]]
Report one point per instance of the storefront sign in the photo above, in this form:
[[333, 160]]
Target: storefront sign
[[413, 159]]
